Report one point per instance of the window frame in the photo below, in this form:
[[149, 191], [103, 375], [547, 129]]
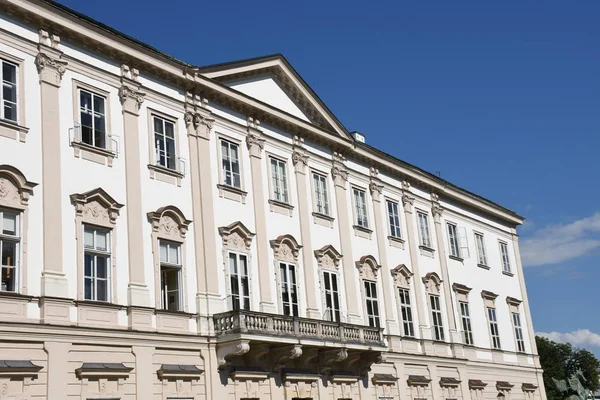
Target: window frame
[[505, 257], [518, 330], [481, 252], [493, 327], [286, 282], [15, 129], [15, 239], [453, 245], [424, 240], [373, 317], [230, 295], [93, 94], [395, 229], [175, 156], [284, 192], [96, 253], [336, 313], [408, 324], [315, 193], [437, 329], [171, 266], [465, 322], [222, 178], [17, 86], [364, 222]]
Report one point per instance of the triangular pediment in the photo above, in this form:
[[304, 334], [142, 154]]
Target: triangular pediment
[[273, 81]]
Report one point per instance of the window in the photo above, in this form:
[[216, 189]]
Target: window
[[239, 282], [424, 229], [436, 317], [92, 118], [494, 327], [505, 259], [518, 332], [279, 177], [321, 197], [170, 276], [230, 159], [164, 141], [8, 96], [96, 274], [360, 205], [372, 304], [10, 241], [481, 257], [453, 239], [394, 219], [289, 289], [465, 317], [406, 312], [332, 296]]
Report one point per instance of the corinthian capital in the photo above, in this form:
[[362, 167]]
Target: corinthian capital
[[131, 99], [51, 69], [255, 144]]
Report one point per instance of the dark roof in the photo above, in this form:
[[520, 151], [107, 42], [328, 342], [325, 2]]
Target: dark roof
[[476, 383], [446, 379], [20, 365], [180, 368], [104, 367]]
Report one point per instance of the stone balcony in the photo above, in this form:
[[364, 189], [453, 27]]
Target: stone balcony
[[276, 341]]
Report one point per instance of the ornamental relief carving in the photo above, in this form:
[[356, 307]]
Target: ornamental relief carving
[[432, 283], [328, 258], [329, 263], [401, 280], [402, 276], [9, 193], [236, 242], [96, 213], [169, 228], [96, 207]]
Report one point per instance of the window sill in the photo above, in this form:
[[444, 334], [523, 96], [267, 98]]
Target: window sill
[[281, 208], [12, 130], [507, 273], [175, 313], [94, 154], [427, 251], [323, 219], [232, 193], [166, 175], [362, 232], [483, 266], [456, 258], [15, 295], [99, 304], [396, 242]]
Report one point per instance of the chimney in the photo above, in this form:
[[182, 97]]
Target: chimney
[[359, 137]]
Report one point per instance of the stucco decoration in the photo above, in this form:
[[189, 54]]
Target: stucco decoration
[[285, 248], [15, 189], [236, 236], [328, 257], [96, 207], [402, 276], [368, 267], [432, 282], [169, 223]]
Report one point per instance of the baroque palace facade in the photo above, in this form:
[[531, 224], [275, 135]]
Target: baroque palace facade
[[178, 232]]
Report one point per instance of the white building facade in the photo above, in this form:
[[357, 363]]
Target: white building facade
[[178, 232]]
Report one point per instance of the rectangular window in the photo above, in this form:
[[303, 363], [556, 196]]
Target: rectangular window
[[436, 317], [10, 241], [170, 276], [92, 118], [332, 296], [481, 256], [164, 141], [465, 317], [372, 303], [424, 229], [453, 241], [360, 206], [505, 258], [230, 159], [406, 312], [494, 327], [96, 273], [394, 219], [8, 96], [289, 289], [518, 332], [239, 285], [279, 178], [321, 197]]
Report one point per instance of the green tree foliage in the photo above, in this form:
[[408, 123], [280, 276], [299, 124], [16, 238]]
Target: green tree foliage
[[560, 361]]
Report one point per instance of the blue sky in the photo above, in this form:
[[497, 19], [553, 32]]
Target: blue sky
[[502, 98]]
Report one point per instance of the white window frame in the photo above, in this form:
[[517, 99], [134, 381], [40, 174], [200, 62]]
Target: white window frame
[[321, 194], [372, 300], [465, 319], [16, 240], [331, 313], [494, 330], [480, 246], [424, 232], [96, 253], [406, 314], [360, 207], [227, 162], [93, 113], [15, 84], [285, 284], [453, 240], [519, 338], [164, 153], [239, 278], [437, 323], [394, 219], [504, 256], [279, 180], [169, 264]]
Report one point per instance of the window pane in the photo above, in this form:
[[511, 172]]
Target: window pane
[[85, 101], [9, 224], [9, 252], [87, 290], [9, 72], [99, 104], [174, 254], [88, 265], [101, 267], [101, 241], [102, 287], [163, 252], [169, 129], [158, 126], [88, 238]]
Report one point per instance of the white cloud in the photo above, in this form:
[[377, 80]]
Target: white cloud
[[580, 338], [557, 243]]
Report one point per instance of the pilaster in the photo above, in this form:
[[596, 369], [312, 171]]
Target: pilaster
[[300, 161], [132, 98], [437, 211], [256, 145], [144, 369], [58, 369], [340, 181], [51, 68], [413, 249], [376, 187]]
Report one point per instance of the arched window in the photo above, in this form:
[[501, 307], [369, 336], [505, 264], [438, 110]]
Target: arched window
[[432, 286], [368, 269], [286, 250], [328, 260], [402, 278]]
